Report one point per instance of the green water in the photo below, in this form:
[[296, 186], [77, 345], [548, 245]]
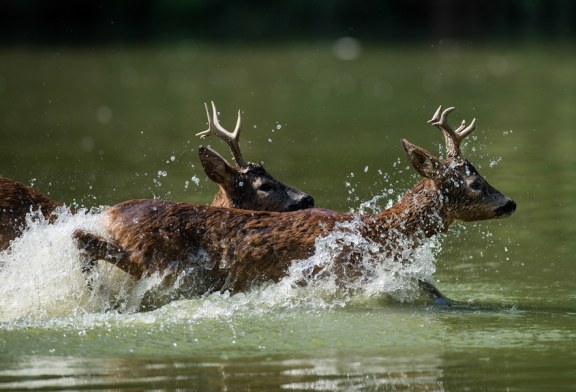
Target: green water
[[99, 126]]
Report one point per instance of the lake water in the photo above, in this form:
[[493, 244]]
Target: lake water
[[98, 126]]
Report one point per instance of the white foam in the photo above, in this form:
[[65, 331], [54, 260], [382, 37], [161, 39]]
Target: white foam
[[375, 273], [41, 273]]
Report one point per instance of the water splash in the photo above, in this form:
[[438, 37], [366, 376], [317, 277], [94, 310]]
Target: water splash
[[374, 273], [43, 278], [40, 273]]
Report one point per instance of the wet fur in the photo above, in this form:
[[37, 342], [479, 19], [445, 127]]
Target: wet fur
[[17, 200]]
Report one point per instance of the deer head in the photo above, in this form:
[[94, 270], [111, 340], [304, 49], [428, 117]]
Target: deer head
[[465, 194], [245, 185]]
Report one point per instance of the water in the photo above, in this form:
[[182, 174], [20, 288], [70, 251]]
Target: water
[[101, 126]]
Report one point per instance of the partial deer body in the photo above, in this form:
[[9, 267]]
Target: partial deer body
[[245, 185], [234, 249], [17, 200]]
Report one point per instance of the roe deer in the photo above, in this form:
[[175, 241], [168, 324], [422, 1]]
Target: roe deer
[[247, 186], [229, 249], [17, 200]]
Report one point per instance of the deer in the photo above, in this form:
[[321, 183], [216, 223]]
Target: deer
[[245, 185], [234, 250], [16, 201]]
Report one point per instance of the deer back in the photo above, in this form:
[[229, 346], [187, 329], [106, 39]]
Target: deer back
[[237, 247]]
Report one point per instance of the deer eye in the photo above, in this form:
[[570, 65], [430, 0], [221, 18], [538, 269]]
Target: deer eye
[[476, 185], [266, 187]]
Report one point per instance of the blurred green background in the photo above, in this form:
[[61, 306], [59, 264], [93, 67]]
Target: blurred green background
[[100, 101]]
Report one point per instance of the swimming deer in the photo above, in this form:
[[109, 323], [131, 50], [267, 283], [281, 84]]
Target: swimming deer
[[246, 185], [17, 200], [231, 249]]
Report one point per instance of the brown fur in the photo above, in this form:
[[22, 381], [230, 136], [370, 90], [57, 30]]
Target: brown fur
[[17, 200], [174, 236]]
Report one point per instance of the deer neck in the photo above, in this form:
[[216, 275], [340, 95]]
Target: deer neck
[[418, 214], [221, 199]]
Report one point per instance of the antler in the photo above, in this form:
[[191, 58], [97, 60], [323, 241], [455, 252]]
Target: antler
[[231, 138], [453, 137]]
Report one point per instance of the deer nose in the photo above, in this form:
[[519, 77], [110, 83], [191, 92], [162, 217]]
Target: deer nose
[[302, 203], [307, 202], [511, 206], [507, 209]]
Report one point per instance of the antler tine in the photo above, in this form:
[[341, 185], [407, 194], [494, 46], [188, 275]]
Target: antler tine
[[436, 115], [464, 130], [453, 137], [231, 138]]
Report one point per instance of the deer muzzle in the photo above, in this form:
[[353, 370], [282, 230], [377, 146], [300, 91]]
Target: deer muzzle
[[303, 203], [507, 209]]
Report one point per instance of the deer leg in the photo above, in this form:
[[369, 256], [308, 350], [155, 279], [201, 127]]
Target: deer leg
[[94, 247], [431, 291]]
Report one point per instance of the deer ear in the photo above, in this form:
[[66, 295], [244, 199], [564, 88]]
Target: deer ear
[[423, 161], [216, 167]]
